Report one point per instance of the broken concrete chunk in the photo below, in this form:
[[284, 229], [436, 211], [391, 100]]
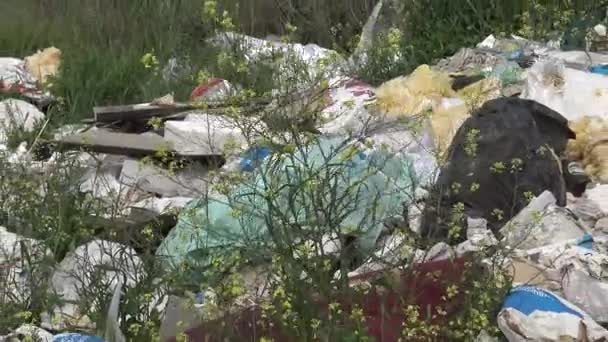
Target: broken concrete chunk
[[541, 223], [98, 264], [478, 233], [204, 134], [190, 181], [28, 332], [15, 266], [17, 114], [102, 184]]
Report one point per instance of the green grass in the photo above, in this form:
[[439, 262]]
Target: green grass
[[102, 44], [103, 41]]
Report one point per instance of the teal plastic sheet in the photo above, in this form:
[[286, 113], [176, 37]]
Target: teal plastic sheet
[[327, 186]]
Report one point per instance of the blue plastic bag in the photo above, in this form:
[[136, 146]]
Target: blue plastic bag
[[527, 299]]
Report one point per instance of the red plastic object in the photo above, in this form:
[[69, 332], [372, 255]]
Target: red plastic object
[[423, 286], [203, 88]]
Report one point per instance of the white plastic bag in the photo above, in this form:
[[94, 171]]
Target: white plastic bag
[[346, 113], [570, 92], [534, 314], [17, 114], [14, 78]]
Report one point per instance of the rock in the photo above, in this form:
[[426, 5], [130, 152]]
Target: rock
[[188, 182], [204, 134], [97, 265], [15, 270], [17, 114]]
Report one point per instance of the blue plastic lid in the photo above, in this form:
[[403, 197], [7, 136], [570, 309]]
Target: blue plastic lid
[[601, 69]]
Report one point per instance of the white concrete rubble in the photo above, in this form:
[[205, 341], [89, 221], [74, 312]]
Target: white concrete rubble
[[541, 223], [189, 182], [28, 332], [15, 269], [98, 264], [17, 114], [599, 196]]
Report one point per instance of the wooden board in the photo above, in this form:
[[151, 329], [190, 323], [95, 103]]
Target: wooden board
[[137, 112]]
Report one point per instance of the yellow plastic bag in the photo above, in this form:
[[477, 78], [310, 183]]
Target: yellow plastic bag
[[44, 64], [591, 146], [414, 94]]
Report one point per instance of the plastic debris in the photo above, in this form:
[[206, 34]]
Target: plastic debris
[[74, 337], [488, 43], [591, 146], [222, 232], [213, 90], [317, 61], [205, 134], [414, 94], [490, 146], [535, 314], [601, 69], [44, 64], [15, 79], [572, 93], [346, 112]]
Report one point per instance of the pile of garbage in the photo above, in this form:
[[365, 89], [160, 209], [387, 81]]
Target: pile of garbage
[[513, 132]]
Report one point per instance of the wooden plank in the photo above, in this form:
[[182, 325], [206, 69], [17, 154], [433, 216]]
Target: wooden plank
[[137, 112], [146, 111], [101, 141], [133, 145]]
